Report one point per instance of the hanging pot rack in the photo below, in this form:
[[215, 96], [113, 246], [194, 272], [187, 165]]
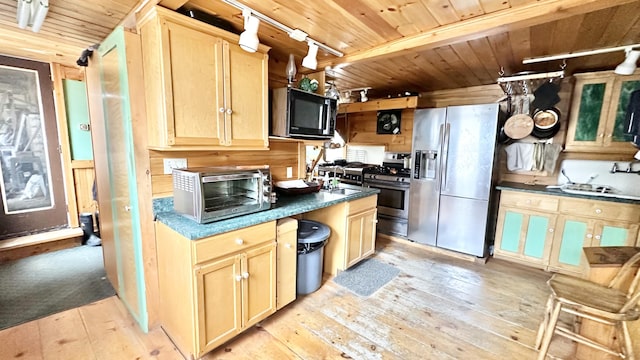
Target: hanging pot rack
[[523, 83]]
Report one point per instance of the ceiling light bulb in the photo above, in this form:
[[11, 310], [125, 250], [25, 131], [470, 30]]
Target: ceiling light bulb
[[40, 12], [249, 38], [310, 61], [628, 66], [23, 13]]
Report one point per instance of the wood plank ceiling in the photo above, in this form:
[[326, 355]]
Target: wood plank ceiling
[[392, 46]]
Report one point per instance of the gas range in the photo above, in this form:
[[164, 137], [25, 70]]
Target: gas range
[[388, 173], [350, 173]]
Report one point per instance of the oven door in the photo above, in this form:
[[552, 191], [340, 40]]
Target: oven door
[[232, 195], [393, 199]]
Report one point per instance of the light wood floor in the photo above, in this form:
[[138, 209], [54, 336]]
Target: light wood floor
[[439, 307]]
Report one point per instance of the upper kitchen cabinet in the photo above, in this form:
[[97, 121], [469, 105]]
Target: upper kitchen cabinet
[[203, 91], [597, 113]]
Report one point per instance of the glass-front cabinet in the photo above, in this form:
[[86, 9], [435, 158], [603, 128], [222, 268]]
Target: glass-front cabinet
[[598, 111]]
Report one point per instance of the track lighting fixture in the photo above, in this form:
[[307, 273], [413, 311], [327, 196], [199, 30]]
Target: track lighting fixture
[[310, 61], [295, 34], [625, 68], [249, 38], [32, 12], [628, 66]]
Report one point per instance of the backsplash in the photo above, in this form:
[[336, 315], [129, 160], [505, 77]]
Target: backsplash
[[580, 171]]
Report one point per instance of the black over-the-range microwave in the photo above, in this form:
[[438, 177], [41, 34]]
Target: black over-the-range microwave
[[302, 114]]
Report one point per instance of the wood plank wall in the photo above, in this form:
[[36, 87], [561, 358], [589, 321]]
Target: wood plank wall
[[362, 128], [281, 154]]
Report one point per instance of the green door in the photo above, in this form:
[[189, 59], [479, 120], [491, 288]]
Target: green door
[[122, 188], [573, 240]]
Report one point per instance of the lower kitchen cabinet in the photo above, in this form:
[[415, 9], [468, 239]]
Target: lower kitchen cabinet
[[549, 232], [353, 232], [574, 233], [286, 260], [526, 236], [214, 288]]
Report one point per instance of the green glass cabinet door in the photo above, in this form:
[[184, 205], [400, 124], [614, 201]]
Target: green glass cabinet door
[[525, 235], [615, 234], [573, 234]]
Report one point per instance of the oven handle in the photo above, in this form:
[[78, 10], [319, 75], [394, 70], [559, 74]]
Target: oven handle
[[400, 186], [214, 178]]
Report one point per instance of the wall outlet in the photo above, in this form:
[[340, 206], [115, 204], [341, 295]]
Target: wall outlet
[[289, 172], [170, 164]]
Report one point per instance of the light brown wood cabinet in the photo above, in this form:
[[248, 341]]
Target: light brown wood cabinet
[[353, 232], [549, 232], [202, 90], [287, 260], [214, 288], [597, 113]]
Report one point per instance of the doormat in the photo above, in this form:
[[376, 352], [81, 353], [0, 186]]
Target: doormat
[[366, 277], [40, 285]]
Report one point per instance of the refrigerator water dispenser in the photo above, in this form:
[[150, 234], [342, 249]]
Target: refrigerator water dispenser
[[425, 164]]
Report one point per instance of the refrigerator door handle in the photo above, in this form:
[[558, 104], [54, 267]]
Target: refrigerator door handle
[[445, 154], [438, 162]]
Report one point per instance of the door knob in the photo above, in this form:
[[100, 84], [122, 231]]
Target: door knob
[[127, 208], [287, 245], [221, 110], [238, 278], [245, 275], [239, 241], [229, 111]]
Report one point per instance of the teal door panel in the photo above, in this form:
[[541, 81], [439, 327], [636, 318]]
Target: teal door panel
[[536, 236], [122, 174], [77, 109], [572, 242], [511, 231], [613, 236]]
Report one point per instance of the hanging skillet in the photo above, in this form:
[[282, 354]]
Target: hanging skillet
[[520, 125]]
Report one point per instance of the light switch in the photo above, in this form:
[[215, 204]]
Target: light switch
[[170, 164], [289, 172]]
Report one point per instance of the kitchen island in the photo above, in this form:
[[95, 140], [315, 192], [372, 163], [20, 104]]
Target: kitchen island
[[216, 280]]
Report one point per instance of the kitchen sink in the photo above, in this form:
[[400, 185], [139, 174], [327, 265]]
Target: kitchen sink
[[340, 193], [596, 191]]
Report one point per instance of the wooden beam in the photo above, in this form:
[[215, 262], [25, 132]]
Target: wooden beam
[[481, 26], [409, 102], [39, 47]]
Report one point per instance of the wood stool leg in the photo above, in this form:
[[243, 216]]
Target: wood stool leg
[[545, 322], [549, 331], [627, 344]]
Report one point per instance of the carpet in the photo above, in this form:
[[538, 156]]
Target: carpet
[[45, 284], [366, 277]]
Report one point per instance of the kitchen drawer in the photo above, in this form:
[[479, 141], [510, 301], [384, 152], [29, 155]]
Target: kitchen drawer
[[529, 201], [360, 205], [600, 209], [233, 241]]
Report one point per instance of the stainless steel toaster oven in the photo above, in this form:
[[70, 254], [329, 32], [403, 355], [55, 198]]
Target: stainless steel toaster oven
[[214, 193]]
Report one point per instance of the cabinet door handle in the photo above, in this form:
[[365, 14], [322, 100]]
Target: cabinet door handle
[[375, 221], [239, 241], [287, 245], [245, 275], [598, 211], [609, 135], [550, 230], [229, 111], [601, 135], [238, 278], [589, 236], [127, 208], [598, 237], [222, 110]]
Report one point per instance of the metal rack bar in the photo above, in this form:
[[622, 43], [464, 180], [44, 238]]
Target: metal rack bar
[[554, 74]]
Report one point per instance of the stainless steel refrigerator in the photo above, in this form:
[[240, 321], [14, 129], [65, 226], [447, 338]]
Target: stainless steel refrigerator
[[453, 157]]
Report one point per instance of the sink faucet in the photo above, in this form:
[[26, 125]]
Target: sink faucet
[[614, 168], [630, 167]]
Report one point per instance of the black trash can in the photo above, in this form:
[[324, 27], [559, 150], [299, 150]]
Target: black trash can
[[312, 237], [86, 223]]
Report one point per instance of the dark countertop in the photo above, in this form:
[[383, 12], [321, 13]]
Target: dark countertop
[[284, 207], [542, 189]]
